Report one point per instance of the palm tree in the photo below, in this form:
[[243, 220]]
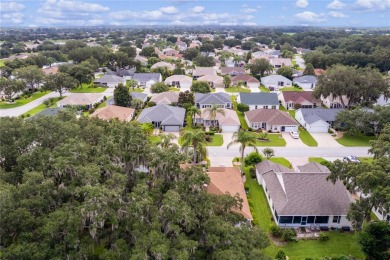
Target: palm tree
[[245, 139], [166, 140], [213, 111], [132, 83], [197, 140], [192, 112]]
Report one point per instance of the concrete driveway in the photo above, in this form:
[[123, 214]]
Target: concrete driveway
[[227, 138], [255, 90], [291, 142], [325, 140]]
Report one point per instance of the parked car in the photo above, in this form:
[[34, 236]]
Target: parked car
[[294, 135], [351, 159]]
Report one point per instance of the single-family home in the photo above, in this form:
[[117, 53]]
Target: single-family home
[[316, 120], [383, 101], [165, 98], [307, 82], [110, 81], [203, 71], [80, 100], [305, 199], [47, 112], [228, 180], [272, 120], [126, 73], [248, 80], [147, 79], [50, 70], [273, 53], [232, 71], [215, 81], [182, 45], [275, 82], [313, 167], [280, 62], [259, 100], [141, 59], [139, 95], [169, 118], [114, 112], [294, 99], [163, 64], [179, 81], [220, 99], [335, 102], [228, 121]]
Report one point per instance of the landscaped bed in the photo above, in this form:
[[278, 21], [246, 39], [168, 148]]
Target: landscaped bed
[[211, 140], [356, 140], [23, 100], [268, 140]]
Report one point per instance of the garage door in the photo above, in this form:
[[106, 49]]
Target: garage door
[[291, 129], [171, 128], [230, 128], [317, 129]]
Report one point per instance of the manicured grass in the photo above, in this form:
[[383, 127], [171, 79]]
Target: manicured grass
[[290, 111], [40, 108], [103, 104], [241, 116], [338, 244], [291, 89], [357, 140], [237, 89], [264, 89], [275, 140], [172, 89], [282, 161], [217, 140], [317, 159], [85, 88], [307, 138], [366, 159], [136, 90], [23, 101], [2, 62], [155, 139]]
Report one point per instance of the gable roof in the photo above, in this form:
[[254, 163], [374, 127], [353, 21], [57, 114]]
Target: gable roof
[[267, 165], [245, 78], [162, 64], [281, 62], [166, 98], [306, 79], [144, 77], [230, 117], [228, 180], [307, 194], [122, 72], [202, 71], [311, 115], [270, 116], [299, 96], [167, 115], [81, 99], [212, 98], [139, 95], [108, 78], [211, 78], [313, 167], [180, 78], [261, 98], [228, 70], [274, 79], [49, 112], [111, 112]]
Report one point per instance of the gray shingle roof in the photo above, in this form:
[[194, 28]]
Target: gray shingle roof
[[313, 167], [144, 77], [306, 79], [212, 98], [106, 79], [274, 79], [167, 115], [306, 194], [259, 98], [49, 112], [267, 165], [125, 72], [311, 115], [139, 95]]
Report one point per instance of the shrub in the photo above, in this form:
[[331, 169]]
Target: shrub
[[91, 110], [242, 107], [324, 236], [252, 159], [281, 255], [252, 172], [151, 104], [276, 231], [289, 234], [246, 187], [210, 133], [159, 87], [28, 115], [208, 138], [297, 106]]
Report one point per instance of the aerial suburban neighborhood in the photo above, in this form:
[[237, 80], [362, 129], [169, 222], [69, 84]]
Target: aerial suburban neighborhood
[[181, 139]]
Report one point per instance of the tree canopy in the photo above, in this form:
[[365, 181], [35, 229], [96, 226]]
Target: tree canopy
[[122, 96], [200, 87], [60, 82], [260, 66], [159, 87], [203, 61]]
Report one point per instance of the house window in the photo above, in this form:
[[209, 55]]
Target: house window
[[286, 219], [336, 219], [310, 219], [256, 107], [297, 219], [273, 107], [322, 219], [265, 107]]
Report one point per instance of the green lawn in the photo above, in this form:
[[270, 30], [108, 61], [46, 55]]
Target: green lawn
[[217, 140], [291, 89], [172, 89], [155, 139], [86, 88], [2, 62], [264, 89], [136, 90], [282, 161], [275, 140], [290, 111], [366, 159], [23, 101], [237, 89], [357, 140], [40, 108], [338, 244], [240, 115], [317, 159], [307, 138]]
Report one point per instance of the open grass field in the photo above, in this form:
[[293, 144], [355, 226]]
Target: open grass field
[[23, 101], [357, 140]]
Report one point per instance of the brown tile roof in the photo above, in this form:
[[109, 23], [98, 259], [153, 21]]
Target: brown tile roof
[[270, 116], [319, 72], [299, 96], [246, 78], [111, 112], [228, 180]]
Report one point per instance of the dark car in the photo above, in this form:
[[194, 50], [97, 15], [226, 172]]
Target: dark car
[[351, 159]]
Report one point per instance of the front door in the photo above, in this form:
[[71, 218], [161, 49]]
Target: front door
[[283, 128], [303, 221]]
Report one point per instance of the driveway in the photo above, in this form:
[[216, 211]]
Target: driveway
[[291, 142], [227, 138], [325, 140], [255, 90]]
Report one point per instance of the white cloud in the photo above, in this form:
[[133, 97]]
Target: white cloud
[[248, 10], [72, 6], [302, 3], [145, 15], [169, 10], [337, 14], [51, 21], [336, 4], [12, 17], [10, 7], [309, 17], [249, 24], [197, 9], [373, 4]]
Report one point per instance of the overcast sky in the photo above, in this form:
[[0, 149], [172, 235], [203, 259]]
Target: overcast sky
[[359, 13]]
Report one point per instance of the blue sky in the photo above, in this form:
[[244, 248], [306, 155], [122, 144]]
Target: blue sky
[[341, 13]]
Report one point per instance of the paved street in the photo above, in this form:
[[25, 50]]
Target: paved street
[[300, 62]]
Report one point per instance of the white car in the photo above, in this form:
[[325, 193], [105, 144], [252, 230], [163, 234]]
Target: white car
[[294, 135]]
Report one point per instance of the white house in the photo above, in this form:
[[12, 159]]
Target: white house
[[180, 81], [259, 100], [146, 80], [307, 82], [316, 120], [275, 82]]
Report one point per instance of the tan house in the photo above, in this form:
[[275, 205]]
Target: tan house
[[81, 99], [248, 80], [165, 98], [203, 71], [228, 180], [228, 122], [163, 64], [272, 120], [112, 112], [305, 99], [335, 102], [215, 81]]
